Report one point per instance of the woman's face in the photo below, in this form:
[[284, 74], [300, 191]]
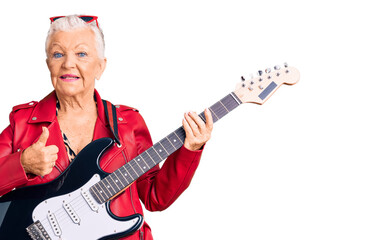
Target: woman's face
[[73, 62]]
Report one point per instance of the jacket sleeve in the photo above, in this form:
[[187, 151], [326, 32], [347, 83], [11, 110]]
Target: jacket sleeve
[[160, 187], [11, 170]]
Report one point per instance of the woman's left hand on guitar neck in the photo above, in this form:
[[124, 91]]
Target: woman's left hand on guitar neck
[[197, 131]]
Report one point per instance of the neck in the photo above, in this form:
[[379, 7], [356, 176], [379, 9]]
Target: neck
[[76, 104]]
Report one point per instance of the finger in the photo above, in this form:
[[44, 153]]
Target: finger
[[186, 126], [209, 119], [200, 123], [46, 172], [44, 136], [52, 149], [53, 158], [193, 125]]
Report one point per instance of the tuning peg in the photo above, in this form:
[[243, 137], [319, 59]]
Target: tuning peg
[[277, 67], [285, 64], [260, 72], [268, 70], [242, 78]]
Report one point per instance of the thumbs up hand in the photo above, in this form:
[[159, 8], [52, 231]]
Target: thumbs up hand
[[40, 159]]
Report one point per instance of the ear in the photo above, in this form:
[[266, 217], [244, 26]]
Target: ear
[[101, 68]]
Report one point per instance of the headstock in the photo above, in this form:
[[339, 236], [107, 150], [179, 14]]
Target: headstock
[[259, 89]]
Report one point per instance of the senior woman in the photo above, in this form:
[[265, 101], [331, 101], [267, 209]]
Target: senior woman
[[44, 137]]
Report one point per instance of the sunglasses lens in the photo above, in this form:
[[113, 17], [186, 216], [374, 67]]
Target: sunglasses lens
[[87, 19], [56, 18]]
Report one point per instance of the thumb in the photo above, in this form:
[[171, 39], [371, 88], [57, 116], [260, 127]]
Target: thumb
[[44, 136]]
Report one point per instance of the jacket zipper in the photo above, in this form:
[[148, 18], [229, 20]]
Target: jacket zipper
[[58, 169]]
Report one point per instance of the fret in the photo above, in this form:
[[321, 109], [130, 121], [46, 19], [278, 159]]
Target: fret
[[202, 116], [233, 95], [178, 137], [168, 140], [224, 106], [159, 149], [115, 182], [214, 116], [154, 155], [138, 160], [167, 145], [148, 160], [180, 132], [230, 101], [219, 109], [110, 191], [128, 173], [174, 140], [141, 164], [137, 167], [94, 192], [113, 186], [100, 190], [115, 173], [150, 156], [120, 170]]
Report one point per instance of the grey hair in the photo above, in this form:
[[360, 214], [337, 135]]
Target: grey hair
[[72, 22]]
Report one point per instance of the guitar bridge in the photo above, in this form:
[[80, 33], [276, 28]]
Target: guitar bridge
[[37, 231]]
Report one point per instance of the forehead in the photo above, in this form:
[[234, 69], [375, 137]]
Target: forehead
[[74, 38]]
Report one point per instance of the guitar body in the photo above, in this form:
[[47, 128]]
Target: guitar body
[[64, 208]]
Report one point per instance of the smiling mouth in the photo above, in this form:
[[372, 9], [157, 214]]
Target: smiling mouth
[[69, 77]]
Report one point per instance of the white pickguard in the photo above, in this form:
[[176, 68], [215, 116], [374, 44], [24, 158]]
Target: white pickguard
[[91, 224]]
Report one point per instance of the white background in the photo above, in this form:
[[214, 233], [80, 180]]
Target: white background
[[313, 162]]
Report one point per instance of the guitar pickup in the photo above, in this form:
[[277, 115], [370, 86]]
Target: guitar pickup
[[71, 212], [89, 200], [54, 224]]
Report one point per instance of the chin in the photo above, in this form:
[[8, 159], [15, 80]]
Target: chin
[[70, 91]]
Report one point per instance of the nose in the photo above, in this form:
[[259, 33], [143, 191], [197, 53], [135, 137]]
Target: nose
[[69, 61]]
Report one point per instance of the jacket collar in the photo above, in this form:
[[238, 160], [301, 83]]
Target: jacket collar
[[45, 110]]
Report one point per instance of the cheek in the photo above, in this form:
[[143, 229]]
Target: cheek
[[53, 68], [89, 71]]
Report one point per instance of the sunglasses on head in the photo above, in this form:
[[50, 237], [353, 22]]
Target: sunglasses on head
[[85, 18]]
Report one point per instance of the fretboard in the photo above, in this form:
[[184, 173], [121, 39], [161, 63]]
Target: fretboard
[[120, 179]]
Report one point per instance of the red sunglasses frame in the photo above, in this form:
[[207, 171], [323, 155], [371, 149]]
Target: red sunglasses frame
[[93, 18]]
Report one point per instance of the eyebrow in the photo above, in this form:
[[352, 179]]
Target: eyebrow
[[56, 44], [78, 45]]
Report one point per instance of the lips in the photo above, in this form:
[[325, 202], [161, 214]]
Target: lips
[[69, 77]]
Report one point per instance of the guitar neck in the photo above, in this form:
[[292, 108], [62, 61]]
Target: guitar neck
[[120, 179]]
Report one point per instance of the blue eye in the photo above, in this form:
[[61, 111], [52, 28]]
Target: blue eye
[[57, 55], [82, 54]]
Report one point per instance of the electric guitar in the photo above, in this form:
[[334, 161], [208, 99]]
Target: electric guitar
[[76, 205]]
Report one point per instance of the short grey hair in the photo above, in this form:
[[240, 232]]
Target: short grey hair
[[73, 22]]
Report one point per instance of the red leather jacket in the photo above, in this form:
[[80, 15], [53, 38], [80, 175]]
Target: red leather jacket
[[157, 189]]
